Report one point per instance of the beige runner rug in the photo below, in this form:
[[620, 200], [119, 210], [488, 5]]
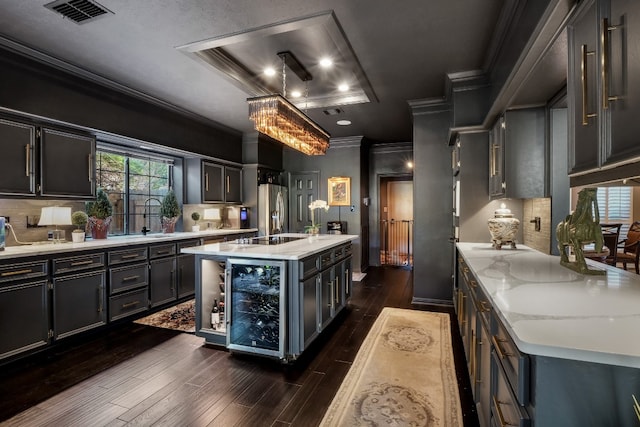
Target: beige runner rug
[[403, 375]]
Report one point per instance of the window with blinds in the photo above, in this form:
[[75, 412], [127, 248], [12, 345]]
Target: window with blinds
[[615, 206]]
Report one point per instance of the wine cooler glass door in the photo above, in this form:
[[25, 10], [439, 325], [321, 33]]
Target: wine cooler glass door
[[256, 309]]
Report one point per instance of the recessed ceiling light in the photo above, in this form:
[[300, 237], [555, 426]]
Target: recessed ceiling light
[[326, 62], [410, 164], [343, 122], [296, 94], [343, 87], [269, 71]]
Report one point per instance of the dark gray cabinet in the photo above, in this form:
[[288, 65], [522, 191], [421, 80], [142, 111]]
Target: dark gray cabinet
[[603, 78], [309, 315], [186, 264], [209, 182], [518, 159], [17, 160], [128, 282], [24, 301], [162, 274], [60, 149]]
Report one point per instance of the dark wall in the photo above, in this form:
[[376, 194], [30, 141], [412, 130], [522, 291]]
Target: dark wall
[[31, 87], [433, 252]]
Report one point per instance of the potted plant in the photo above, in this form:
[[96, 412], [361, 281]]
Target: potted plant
[[99, 213], [314, 228], [79, 219], [169, 212], [195, 216]]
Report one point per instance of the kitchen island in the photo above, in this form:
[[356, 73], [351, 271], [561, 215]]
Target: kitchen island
[[545, 345], [278, 293]]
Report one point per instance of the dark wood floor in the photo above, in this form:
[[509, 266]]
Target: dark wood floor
[[141, 375]]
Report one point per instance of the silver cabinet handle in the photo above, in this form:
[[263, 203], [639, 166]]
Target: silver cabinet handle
[[27, 150]]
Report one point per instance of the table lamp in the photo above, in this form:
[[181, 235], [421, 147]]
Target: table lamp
[[55, 215]]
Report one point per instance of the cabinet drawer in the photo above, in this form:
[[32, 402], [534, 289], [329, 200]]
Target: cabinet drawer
[[505, 410], [129, 303], [129, 255], [325, 259], [309, 266], [27, 270], [159, 251], [188, 244], [514, 363], [130, 277], [78, 263]]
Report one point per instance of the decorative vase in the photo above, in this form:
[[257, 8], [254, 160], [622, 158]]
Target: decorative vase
[[77, 236], [99, 227], [195, 228], [168, 224], [503, 228]]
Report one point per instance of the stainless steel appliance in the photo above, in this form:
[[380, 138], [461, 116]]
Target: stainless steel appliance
[[337, 227], [272, 209]]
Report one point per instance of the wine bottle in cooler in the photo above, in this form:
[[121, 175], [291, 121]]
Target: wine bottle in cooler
[[215, 315], [221, 313]]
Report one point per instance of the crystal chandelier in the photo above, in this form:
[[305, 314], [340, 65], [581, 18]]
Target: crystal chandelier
[[276, 117]]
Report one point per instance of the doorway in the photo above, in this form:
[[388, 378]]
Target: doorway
[[396, 221]]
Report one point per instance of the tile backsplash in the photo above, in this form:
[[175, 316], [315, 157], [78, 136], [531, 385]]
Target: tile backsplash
[[539, 240]]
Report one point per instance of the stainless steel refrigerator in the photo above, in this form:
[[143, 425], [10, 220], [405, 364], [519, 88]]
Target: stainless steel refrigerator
[[273, 212]]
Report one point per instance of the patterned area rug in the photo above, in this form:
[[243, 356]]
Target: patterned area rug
[[403, 375], [180, 317]]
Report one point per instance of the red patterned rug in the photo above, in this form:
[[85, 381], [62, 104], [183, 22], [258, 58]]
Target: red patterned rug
[[180, 317]]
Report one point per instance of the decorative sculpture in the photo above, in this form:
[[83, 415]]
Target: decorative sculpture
[[503, 228], [580, 228]]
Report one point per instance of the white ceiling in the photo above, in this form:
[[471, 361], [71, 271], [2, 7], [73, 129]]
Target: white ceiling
[[404, 48]]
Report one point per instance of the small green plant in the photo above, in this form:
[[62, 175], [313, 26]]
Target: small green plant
[[79, 219], [195, 217], [169, 207], [101, 208]]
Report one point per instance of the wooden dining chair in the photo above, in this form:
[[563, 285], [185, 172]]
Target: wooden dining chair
[[629, 249], [611, 235]]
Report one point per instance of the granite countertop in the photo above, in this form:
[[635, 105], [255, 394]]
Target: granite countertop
[[552, 311], [306, 246], [47, 248]]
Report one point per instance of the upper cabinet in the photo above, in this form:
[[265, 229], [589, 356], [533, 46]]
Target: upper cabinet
[[603, 84], [518, 164], [209, 182], [62, 149], [57, 151]]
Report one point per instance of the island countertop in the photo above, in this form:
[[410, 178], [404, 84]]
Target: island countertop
[[305, 246], [553, 311]]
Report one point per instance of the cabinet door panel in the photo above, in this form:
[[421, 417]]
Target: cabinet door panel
[[59, 150], [162, 281], [621, 57], [16, 162], [233, 185], [186, 275], [583, 126], [24, 305], [212, 183], [309, 310], [79, 303], [326, 297]]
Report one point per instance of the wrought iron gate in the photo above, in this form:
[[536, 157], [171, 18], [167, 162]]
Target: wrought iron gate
[[396, 245]]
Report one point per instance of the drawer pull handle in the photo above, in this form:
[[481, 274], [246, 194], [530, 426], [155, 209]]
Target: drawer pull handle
[[485, 307], [78, 263], [129, 278], [473, 284], [27, 151], [496, 343], [129, 256], [163, 252], [130, 304], [465, 269], [16, 272], [499, 414]]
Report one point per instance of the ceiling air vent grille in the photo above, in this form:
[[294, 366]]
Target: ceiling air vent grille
[[79, 11]]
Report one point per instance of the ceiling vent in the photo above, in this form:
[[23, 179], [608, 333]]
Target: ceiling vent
[[79, 11], [332, 111]]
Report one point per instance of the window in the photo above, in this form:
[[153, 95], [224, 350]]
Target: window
[[614, 204], [136, 185]]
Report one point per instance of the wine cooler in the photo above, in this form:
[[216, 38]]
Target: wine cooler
[[255, 308]]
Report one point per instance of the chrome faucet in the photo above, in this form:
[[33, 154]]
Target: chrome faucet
[[145, 230]]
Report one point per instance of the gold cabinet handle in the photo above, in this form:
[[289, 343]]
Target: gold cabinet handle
[[605, 29], [584, 79], [473, 284], [494, 159], [485, 307], [27, 151], [130, 278], [78, 263], [16, 272], [130, 304], [228, 183], [206, 182], [129, 256], [499, 414], [90, 168], [496, 343]]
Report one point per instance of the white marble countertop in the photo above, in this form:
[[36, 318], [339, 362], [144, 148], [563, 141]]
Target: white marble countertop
[[47, 248], [552, 311], [306, 246]]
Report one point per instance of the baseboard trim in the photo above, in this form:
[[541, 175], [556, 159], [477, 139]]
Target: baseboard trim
[[431, 301]]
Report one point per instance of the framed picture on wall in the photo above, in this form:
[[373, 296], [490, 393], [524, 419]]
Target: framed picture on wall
[[339, 191]]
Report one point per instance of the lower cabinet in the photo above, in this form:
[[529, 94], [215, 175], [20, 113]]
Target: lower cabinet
[[309, 311], [79, 303], [24, 320], [326, 294], [186, 265], [162, 279]]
